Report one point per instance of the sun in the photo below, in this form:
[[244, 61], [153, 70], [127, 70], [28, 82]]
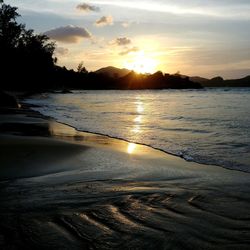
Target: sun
[[141, 63]]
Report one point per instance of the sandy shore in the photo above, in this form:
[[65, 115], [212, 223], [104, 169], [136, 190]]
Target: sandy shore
[[60, 188]]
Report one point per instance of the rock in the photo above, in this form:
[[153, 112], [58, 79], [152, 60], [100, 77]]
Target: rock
[[66, 91], [8, 100]]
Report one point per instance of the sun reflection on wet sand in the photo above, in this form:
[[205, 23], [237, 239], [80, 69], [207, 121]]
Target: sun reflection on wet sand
[[131, 148]]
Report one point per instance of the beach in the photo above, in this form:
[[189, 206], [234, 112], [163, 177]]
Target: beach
[[65, 189], [125, 125]]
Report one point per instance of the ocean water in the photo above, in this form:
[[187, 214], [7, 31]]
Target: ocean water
[[210, 126]]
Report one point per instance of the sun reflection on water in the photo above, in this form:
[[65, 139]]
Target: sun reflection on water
[[139, 106], [136, 129], [138, 119], [137, 122]]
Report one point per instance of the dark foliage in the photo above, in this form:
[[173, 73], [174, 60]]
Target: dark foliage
[[26, 58]]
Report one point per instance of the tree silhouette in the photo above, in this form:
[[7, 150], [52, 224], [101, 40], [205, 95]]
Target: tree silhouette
[[81, 68], [26, 58]]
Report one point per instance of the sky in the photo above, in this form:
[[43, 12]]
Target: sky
[[194, 37]]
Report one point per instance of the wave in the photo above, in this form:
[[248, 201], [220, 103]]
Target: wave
[[187, 130], [184, 155], [214, 136]]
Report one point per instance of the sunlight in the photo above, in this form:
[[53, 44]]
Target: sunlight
[[138, 119], [136, 129], [141, 63], [131, 148], [140, 107]]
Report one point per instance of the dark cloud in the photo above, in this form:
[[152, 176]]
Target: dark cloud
[[129, 50], [61, 51], [122, 41], [87, 8], [103, 21], [68, 34]]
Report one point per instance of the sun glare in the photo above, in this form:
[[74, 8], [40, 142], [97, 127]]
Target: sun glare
[[141, 63], [131, 148]]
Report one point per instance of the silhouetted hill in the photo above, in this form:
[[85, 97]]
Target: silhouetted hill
[[220, 82], [112, 71], [157, 80], [198, 79]]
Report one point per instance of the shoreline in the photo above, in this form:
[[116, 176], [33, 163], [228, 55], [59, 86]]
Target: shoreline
[[29, 107], [26, 109], [61, 188]]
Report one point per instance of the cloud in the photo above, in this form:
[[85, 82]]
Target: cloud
[[61, 51], [122, 41], [87, 8], [126, 24], [210, 8], [68, 34], [129, 50], [103, 21]]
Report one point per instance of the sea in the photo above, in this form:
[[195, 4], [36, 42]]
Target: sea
[[209, 126]]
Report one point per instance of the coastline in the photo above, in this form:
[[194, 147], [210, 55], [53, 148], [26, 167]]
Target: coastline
[[69, 189], [191, 129]]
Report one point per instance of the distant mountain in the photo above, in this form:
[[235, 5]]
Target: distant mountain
[[130, 76], [158, 80], [198, 79], [220, 82], [113, 72]]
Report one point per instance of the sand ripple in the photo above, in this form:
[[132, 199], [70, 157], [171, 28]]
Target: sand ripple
[[171, 216]]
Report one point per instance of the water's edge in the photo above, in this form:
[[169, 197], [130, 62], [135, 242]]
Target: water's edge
[[210, 128], [138, 143]]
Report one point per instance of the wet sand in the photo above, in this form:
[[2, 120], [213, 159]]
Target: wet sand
[[63, 189]]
